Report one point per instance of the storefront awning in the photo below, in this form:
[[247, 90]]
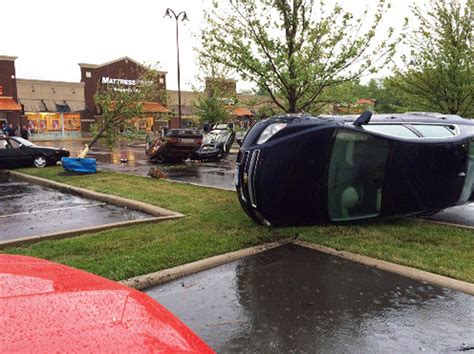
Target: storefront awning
[[50, 105], [154, 107], [76, 106], [33, 105], [241, 112], [9, 104]]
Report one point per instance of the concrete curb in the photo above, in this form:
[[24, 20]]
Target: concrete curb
[[445, 223], [106, 198], [409, 272], [76, 232], [159, 214], [149, 280], [153, 279]]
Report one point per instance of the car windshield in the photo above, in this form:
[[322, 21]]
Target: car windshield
[[356, 173], [23, 142]]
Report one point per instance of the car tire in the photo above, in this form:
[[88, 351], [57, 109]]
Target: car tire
[[40, 161]]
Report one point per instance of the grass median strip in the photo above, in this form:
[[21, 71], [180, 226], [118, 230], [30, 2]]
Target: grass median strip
[[215, 224]]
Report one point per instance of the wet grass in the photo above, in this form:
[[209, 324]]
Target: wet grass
[[215, 224]]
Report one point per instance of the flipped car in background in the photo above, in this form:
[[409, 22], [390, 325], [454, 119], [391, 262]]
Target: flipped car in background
[[47, 307], [303, 170], [216, 144], [174, 146], [18, 152]]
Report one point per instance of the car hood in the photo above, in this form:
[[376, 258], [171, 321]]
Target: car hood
[[50, 307]]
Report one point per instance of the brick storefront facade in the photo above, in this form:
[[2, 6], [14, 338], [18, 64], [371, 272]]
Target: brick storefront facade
[[93, 76], [8, 86]]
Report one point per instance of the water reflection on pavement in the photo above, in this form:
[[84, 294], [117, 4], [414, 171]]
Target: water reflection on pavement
[[30, 210], [292, 299]]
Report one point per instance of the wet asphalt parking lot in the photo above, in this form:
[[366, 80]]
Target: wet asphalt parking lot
[[29, 210], [295, 300], [290, 299]]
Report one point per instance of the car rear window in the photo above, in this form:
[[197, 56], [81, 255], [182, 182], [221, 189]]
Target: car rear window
[[435, 131], [391, 129]]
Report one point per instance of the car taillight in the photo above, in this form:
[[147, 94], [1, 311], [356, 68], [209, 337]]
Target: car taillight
[[173, 140], [198, 141]]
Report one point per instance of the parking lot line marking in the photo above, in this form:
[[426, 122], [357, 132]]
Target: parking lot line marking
[[56, 209]]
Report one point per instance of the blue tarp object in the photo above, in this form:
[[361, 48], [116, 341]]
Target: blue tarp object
[[76, 164]]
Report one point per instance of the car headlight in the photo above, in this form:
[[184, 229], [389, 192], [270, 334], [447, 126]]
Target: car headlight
[[270, 131]]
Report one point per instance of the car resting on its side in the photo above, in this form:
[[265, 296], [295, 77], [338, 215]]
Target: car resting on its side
[[18, 152], [297, 169]]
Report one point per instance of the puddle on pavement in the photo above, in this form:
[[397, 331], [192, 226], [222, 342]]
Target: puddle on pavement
[[292, 299], [28, 210]]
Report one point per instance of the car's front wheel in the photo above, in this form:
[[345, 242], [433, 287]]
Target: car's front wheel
[[40, 161]]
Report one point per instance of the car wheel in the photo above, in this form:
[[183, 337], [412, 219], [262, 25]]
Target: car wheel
[[40, 161]]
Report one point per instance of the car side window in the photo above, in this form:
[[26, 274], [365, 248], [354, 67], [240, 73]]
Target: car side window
[[391, 129], [434, 131], [14, 144], [356, 173]]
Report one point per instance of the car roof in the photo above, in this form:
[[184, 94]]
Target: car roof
[[50, 307], [408, 117]]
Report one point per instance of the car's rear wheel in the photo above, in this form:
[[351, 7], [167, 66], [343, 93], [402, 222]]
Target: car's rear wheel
[[40, 161]]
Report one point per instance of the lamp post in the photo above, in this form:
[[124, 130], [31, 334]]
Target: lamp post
[[170, 13]]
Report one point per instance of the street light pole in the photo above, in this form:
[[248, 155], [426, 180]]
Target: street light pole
[[170, 13]]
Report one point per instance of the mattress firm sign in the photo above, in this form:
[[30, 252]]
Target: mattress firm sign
[[124, 85]]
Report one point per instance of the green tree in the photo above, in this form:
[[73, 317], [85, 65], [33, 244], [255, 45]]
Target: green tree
[[292, 52], [211, 110], [213, 96], [438, 73]]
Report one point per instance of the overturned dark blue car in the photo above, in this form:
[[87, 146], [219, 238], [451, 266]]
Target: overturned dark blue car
[[304, 170]]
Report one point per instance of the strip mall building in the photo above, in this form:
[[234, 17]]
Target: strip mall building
[[61, 109]]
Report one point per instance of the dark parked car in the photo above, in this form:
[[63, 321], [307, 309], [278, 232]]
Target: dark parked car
[[303, 170], [174, 146], [216, 144], [17, 152]]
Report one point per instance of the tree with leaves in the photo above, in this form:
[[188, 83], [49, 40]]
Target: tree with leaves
[[214, 95], [293, 51], [438, 74], [119, 104]]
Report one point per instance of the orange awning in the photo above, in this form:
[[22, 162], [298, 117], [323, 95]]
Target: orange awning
[[240, 112], [154, 107], [9, 104]]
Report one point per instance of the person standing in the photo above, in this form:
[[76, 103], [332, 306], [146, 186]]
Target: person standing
[[10, 131], [24, 132]]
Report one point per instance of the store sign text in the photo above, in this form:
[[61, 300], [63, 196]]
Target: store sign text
[[111, 81]]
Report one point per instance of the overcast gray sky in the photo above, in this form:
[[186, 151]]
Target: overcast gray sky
[[50, 37]]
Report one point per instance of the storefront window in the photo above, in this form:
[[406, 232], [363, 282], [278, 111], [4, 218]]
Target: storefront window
[[72, 122], [53, 122]]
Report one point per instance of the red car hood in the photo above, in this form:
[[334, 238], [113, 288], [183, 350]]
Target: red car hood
[[48, 307]]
